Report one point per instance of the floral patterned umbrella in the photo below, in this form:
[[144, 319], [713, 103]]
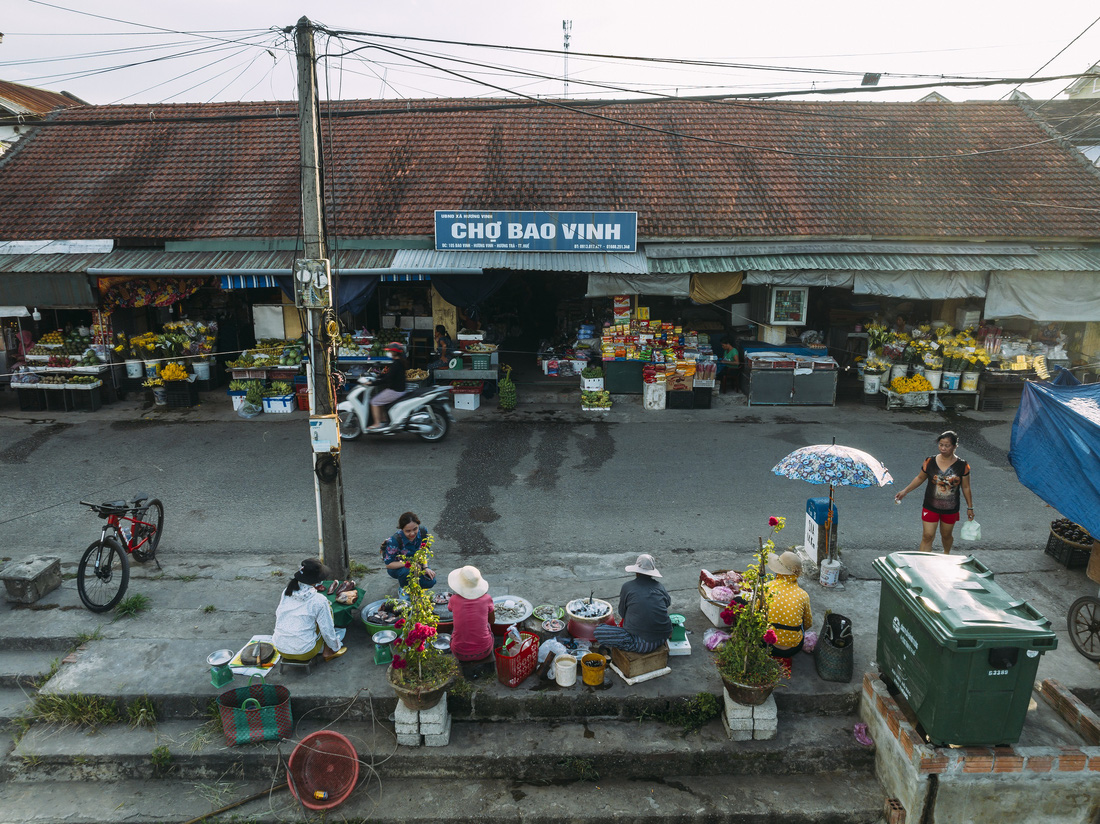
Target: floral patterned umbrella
[[836, 466]]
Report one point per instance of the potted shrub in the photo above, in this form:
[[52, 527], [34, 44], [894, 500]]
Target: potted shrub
[[748, 671], [419, 673]]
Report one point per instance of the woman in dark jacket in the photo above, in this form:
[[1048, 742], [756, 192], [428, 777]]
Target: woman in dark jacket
[[390, 388]]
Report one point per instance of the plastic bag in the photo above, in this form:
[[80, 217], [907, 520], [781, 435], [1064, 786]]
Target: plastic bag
[[714, 638], [809, 641], [249, 410], [971, 531]]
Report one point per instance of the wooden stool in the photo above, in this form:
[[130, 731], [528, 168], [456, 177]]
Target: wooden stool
[[472, 670], [296, 666], [633, 664]]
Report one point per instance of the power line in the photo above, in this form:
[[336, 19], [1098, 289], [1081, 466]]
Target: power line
[[1060, 53]]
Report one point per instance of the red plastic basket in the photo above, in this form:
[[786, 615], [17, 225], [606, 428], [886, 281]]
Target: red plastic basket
[[513, 669], [303, 400], [323, 770]]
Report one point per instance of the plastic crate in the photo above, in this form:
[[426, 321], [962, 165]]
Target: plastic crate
[[680, 399], [702, 396], [303, 400], [180, 394], [248, 374], [31, 398], [474, 389], [513, 669], [480, 360], [88, 400], [283, 373], [1071, 556]]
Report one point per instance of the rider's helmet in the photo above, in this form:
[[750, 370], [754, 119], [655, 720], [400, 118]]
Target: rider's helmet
[[395, 348]]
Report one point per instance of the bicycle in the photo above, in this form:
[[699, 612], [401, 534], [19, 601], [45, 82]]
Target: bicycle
[[133, 528]]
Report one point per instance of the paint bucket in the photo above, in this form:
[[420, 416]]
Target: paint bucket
[[830, 573], [134, 369], [899, 370], [201, 369], [160, 396], [872, 381], [951, 380], [934, 376], [969, 381], [565, 670], [592, 669]]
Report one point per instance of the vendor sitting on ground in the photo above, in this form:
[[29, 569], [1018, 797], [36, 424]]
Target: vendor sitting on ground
[[472, 636], [401, 546], [303, 619], [788, 606], [643, 606]]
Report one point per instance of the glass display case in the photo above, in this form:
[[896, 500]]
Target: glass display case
[[787, 305]]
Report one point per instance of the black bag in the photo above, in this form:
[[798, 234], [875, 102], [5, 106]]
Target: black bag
[[834, 655]]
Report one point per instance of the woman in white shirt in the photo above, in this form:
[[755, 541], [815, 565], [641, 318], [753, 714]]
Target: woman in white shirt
[[303, 619]]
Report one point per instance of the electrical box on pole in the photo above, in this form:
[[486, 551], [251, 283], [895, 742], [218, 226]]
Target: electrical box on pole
[[312, 284]]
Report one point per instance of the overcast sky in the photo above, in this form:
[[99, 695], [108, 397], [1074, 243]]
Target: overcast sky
[[235, 49]]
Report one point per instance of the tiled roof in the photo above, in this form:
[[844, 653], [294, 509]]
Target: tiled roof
[[1076, 120], [18, 99], [769, 170]]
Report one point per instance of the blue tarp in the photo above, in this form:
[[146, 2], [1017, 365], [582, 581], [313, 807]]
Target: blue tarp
[[1056, 448]]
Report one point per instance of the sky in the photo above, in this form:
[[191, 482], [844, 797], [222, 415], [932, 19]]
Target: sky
[[201, 51]]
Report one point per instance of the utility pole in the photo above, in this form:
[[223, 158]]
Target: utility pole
[[566, 27], [327, 478]]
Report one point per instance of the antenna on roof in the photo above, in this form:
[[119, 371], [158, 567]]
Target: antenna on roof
[[566, 27]]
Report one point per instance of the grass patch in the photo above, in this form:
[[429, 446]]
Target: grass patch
[[690, 714], [85, 637], [40, 682], [581, 769], [142, 713], [357, 569], [209, 608], [82, 711], [162, 760], [129, 607], [188, 578], [461, 688]]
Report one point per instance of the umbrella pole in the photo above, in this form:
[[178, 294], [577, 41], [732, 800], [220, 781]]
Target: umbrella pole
[[829, 527]]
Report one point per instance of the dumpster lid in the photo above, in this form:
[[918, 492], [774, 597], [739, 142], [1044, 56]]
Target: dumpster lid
[[957, 598]]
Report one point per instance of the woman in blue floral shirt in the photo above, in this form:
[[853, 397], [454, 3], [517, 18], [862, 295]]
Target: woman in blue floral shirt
[[399, 548]]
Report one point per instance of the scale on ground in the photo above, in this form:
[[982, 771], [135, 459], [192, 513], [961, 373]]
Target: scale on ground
[[678, 644], [220, 673], [383, 653]]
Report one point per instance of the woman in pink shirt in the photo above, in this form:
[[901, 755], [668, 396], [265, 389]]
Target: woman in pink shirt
[[472, 608]]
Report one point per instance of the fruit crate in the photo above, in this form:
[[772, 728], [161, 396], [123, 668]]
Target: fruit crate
[[180, 394], [1068, 554], [680, 399], [88, 400], [31, 398], [480, 360], [283, 373], [472, 389]]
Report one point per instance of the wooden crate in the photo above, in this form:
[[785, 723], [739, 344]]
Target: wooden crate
[[633, 664]]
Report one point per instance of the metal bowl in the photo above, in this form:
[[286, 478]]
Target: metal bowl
[[384, 636], [517, 603], [442, 641], [553, 625], [219, 658]]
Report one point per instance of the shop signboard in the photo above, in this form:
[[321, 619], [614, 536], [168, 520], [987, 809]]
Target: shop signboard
[[490, 231]]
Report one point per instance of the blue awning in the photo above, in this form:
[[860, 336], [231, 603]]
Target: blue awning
[[404, 278], [247, 281]]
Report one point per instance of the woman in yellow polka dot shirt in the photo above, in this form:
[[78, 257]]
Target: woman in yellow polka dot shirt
[[788, 605]]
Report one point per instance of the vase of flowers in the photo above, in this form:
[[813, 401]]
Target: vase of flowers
[[749, 672], [419, 673]]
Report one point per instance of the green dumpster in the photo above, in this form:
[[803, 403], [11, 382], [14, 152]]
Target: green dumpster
[[960, 650]]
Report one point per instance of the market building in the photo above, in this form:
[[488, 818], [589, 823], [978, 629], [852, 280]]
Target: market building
[[629, 232]]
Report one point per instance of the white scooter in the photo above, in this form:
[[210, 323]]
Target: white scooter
[[425, 412]]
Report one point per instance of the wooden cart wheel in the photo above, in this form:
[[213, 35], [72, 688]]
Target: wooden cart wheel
[[1084, 626]]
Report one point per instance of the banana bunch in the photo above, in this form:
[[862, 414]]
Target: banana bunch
[[173, 372]]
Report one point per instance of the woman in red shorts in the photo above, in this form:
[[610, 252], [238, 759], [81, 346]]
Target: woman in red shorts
[[946, 475]]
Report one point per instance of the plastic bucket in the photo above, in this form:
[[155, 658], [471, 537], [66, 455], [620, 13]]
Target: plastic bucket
[[951, 380], [969, 381], [565, 670], [592, 669], [830, 573], [899, 370], [934, 376], [160, 396], [871, 382], [201, 369], [134, 369]]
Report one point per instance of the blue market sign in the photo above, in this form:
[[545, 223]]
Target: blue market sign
[[475, 231]]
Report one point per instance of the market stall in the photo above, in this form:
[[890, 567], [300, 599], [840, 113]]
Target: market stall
[[788, 375], [62, 374]]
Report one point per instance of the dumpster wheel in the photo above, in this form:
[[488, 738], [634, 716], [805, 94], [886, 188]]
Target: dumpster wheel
[[1084, 626]]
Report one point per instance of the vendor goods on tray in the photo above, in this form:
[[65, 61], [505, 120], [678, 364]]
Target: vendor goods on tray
[[1067, 530], [545, 612], [387, 613], [416, 374], [511, 609], [590, 608], [553, 625]]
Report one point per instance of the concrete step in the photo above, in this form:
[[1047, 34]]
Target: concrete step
[[531, 751], [834, 799], [24, 668], [13, 700]]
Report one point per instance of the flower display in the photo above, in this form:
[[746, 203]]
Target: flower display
[[744, 658], [917, 383], [419, 665]]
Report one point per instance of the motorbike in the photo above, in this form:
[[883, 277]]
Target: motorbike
[[425, 412]]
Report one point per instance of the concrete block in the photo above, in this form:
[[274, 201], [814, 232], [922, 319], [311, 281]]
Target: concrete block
[[403, 715], [764, 734], [441, 739], [736, 735], [409, 740], [406, 728], [437, 714], [735, 710], [766, 710], [436, 727], [28, 580], [739, 724]]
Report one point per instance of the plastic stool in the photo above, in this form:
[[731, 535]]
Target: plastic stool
[[297, 666]]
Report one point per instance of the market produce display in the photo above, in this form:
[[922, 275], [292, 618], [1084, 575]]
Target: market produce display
[[173, 372], [416, 374], [510, 609], [1070, 532], [588, 608], [596, 399], [917, 383]]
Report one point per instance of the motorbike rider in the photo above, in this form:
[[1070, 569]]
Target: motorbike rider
[[390, 387]]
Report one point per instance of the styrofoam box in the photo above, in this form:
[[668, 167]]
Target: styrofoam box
[[467, 401], [712, 611]]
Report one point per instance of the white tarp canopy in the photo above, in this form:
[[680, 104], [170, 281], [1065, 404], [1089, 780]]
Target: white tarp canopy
[[603, 286], [14, 312], [1044, 296], [921, 285]]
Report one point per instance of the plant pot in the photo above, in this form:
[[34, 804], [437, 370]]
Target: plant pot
[[420, 698], [748, 694]]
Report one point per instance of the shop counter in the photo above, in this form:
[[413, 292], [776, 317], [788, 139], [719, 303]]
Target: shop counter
[[791, 375], [1002, 389], [623, 377]]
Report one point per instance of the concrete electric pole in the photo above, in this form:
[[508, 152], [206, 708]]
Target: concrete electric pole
[[315, 289]]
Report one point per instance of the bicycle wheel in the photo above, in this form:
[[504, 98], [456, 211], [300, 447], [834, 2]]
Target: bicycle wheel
[[151, 514], [103, 575]]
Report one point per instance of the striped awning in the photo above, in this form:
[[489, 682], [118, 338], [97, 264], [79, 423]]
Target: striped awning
[[247, 281], [405, 278]]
